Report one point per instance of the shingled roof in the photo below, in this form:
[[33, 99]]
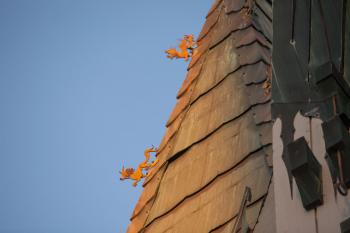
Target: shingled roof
[[218, 137]]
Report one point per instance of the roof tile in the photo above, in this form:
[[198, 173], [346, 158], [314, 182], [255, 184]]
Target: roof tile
[[253, 173], [225, 102], [226, 148], [209, 23], [234, 5], [148, 193], [191, 76], [220, 61], [181, 104]]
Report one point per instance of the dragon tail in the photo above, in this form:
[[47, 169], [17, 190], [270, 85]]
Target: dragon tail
[[147, 153]]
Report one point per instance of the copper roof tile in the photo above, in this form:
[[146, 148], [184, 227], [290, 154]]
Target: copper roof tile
[[234, 5], [166, 149], [226, 227], [220, 61], [172, 129], [226, 25], [219, 141], [252, 214], [211, 157], [191, 76], [181, 104], [250, 35], [200, 51], [213, 7], [253, 173], [262, 113], [255, 73], [138, 222], [252, 54], [148, 193], [257, 94], [265, 133], [209, 23], [223, 103], [177, 177], [268, 153]]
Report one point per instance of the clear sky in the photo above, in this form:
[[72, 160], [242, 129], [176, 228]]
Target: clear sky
[[84, 88]]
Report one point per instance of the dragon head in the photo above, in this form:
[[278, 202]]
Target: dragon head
[[190, 41], [126, 173]]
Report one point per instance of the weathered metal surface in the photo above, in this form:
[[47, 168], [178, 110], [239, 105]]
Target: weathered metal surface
[[191, 76], [227, 24], [252, 214], [265, 7], [346, 43], [248, 73], [262, 22], [305, 41], [223, 103], [265, 133], [224, 59], [177, 115], [219, 63], [209, 23], [166, 148], [148, 193], [252, 54], [269, 153], [226, 228], [172, 129], [306, 171], [181, 104], [255, 73], [300, 38], [241, 223], [257, 94], [219, 142], [248, 36], [204, 205], [211, 157], [200, 51], [162, 157], [215, 5], [262, 113], [234, 5], [309, 38], [138, 222], [285, 59], [320, 52], [332, 15]]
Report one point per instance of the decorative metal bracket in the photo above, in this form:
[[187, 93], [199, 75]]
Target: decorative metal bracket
[[337, 140], [306, 171]]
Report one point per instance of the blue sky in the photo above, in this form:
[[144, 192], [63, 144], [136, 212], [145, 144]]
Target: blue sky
[[84, 88]]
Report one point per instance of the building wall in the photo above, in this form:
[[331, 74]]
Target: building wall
[[311, 104]]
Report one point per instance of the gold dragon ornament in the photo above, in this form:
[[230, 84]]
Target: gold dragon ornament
[[137, 174], [186, 46]]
